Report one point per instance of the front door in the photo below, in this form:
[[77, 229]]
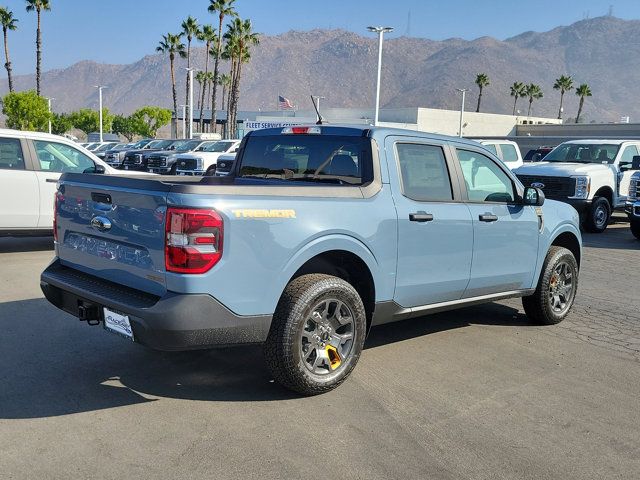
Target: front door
[[435, 233], [19, 194], [506, 233]]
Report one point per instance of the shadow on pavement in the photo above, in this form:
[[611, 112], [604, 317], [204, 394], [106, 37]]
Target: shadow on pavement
[[52, 364], [25, 244]]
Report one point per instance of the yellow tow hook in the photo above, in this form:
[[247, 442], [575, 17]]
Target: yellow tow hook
[[334, 357]]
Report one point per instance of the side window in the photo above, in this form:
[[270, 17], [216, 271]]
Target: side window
[[11, 157], [492, 148], [628, 154], [485, 181], [424, 173], [58, 157], [509, 153]]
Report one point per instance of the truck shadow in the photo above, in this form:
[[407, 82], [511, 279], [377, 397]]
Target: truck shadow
[[52, 364]]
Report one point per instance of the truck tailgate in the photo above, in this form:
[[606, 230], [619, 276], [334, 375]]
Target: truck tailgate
[[113, 228]]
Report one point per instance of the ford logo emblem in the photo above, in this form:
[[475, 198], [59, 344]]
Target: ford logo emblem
[[101, 223], [182, 164], [537, 185], [223, 165]]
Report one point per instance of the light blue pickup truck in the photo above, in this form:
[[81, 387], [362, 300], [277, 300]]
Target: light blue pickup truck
[[319, 233]]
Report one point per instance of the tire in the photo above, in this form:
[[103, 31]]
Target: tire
[[300, 351], [211, 171], [174, 169], [598, 216], [634, 223], [543, 307]]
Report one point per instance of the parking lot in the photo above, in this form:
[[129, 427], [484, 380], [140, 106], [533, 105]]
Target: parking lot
[[477, 393]]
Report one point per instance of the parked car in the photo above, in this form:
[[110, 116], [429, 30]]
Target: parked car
[[591, 175], [505, 150], [321, 232], [164, 161], [30, 165], [537, 154], [204, 160], [632, 205], [136, 160]]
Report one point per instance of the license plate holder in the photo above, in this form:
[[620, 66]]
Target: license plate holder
[[118, 323]]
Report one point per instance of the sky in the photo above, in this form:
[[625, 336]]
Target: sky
[[123, 31]]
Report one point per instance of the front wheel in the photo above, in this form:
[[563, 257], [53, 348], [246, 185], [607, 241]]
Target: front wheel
[[316, 335], [634, 223], [556, 289], [598, 215]]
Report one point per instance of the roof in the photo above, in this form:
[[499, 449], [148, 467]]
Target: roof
[[34, 135], [610, 141]]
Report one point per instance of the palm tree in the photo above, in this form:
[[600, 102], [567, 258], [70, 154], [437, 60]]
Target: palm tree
[[240, 37], [207, 35], [518, 89], [582, 91], [482, 80], [533, 91], [200, 78], [8, 23], [564, 84], [172, 44], [38, 6], [224, 8], [225, 82], [189, 29]]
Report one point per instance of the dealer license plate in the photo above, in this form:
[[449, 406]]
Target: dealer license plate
[[117, 323]]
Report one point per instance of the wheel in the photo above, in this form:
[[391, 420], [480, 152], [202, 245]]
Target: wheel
[[598, 216], [174, 169], [634, 223], [556, 289], [316, 335], [211, 171]]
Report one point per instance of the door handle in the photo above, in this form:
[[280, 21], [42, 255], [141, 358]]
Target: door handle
[[51, 180], [420, 217], [488, 217]]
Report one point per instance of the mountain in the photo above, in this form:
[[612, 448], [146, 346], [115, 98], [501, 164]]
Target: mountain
[[340, 65]]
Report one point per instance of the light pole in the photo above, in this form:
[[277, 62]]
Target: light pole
[[184, 121], [463, 91], [190, 70], [49, 106], [380, 31], [100, 87]]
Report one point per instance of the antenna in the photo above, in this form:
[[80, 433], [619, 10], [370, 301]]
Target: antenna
[[407, 32], [313, 100], [610, 12]]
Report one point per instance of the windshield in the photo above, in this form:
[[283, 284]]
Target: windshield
[[105, 147], [140, 144], [161, 144], [583, 153], [187, 146], [314, 158], [218, 147]]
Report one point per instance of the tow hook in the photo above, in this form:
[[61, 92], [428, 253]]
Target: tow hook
[[88, 313]]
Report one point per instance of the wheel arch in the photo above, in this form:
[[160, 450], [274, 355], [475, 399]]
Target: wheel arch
[[606, 192], [569, 241]]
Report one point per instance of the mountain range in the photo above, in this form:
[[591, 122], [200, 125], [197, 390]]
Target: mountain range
[[340, 66]]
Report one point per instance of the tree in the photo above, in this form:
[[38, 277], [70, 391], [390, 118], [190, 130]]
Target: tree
[[564, 84], [88, 120], [124, 126], [38, 6], [148, 120], [8, 23], [582, 91], [60, 123], [208, 36], [172, 45], [26, 111], [189, 29], [223, 8], [534, 92], [482, 80], [240, 37], [518, 89], [225, 82]]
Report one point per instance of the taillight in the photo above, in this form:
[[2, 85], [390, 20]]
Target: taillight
[[193, 242], [301, 130], [57, 197]]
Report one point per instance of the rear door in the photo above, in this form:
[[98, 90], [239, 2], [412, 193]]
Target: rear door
[[435, 233], [505, 233], [19, 193]]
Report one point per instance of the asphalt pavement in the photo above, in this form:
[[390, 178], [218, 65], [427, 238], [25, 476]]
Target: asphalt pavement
[[472, 394]]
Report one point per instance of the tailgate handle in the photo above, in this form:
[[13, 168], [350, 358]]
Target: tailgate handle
[[101, 197]]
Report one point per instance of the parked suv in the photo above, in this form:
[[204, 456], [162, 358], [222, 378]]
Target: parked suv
[[204, 160], [320, 233], [591, 175]]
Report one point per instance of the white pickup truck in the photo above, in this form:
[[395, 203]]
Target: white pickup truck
[[30, 165], [591, 175], [204, 161]]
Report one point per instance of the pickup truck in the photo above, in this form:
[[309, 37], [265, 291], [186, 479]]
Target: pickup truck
[[632, 206], [318, 234], [204, 160], [591, 175], [164, 162]]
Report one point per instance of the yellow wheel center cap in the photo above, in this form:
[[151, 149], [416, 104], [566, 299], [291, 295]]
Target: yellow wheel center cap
[[334, 357]]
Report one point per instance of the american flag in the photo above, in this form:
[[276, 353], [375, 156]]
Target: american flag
[[285, 103]]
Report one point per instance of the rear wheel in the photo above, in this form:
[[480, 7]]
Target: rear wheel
[[598, 215], [556, 290], [316, 335], [634, 223]]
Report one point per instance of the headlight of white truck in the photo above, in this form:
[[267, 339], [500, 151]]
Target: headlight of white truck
[[583, 183]]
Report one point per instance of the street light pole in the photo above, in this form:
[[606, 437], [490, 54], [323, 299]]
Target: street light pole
[[49, 106], [463, 91], [100, 87], [190, 95], [184, 121], [380, 31]]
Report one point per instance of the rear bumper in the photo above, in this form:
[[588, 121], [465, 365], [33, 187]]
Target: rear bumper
[[171, 322]]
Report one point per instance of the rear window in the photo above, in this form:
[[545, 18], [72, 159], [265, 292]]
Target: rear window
[[332, 159], [509, 153]]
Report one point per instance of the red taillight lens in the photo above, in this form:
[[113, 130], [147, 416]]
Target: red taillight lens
[[193, 242], [57, 197]]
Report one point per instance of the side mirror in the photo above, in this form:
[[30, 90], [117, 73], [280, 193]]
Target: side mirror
[[97, 169], [635, 163], [533, 196], [624, 166]]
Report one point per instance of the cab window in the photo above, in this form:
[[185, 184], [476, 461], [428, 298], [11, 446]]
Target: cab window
[[485, 181], [423, 168], [59, 158], [509, 153], [628, 154], [11, 157], [492, 148]]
